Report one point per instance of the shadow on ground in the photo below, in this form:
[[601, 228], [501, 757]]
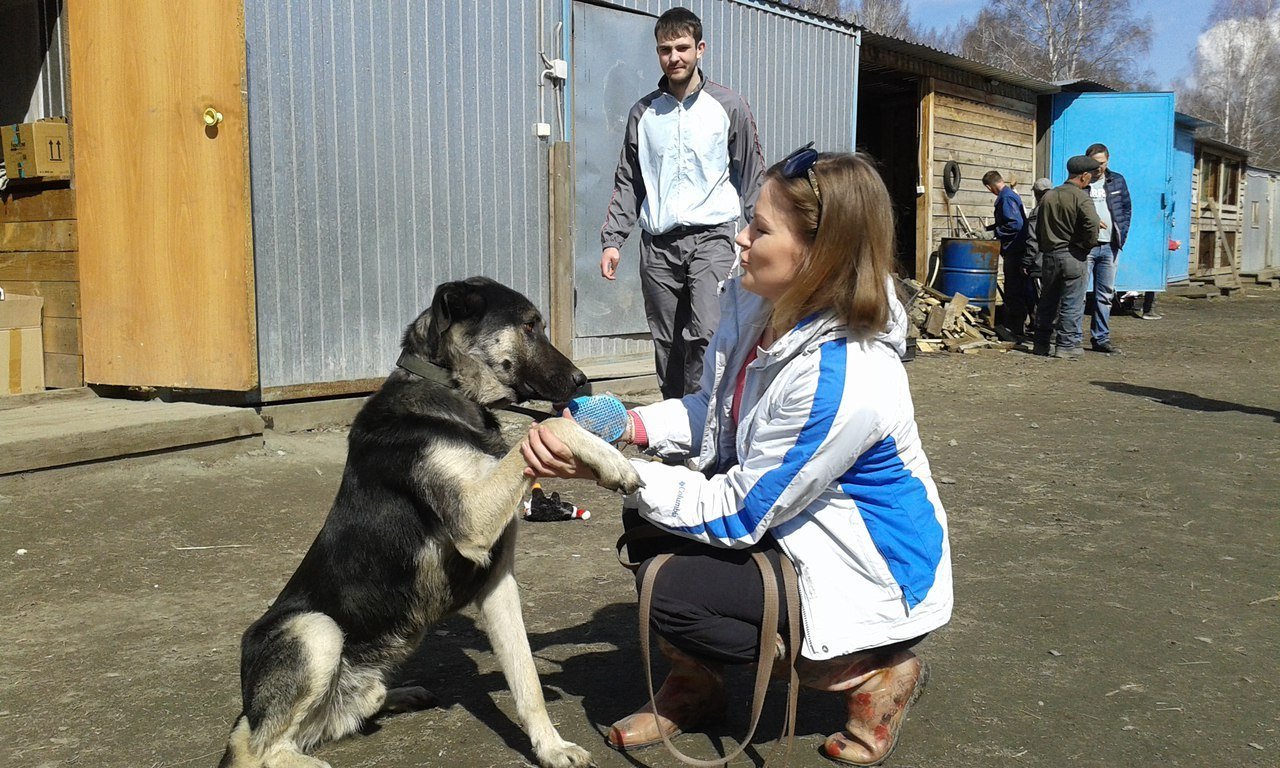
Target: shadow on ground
[[1185, 400], [610, 684]]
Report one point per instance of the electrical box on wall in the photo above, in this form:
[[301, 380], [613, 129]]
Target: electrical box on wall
[[39, 150]]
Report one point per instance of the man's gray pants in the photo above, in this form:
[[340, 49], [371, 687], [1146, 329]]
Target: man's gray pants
[[680, 276], [1061, 308]]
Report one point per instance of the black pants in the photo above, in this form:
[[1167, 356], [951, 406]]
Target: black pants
[[1021, 295], [707, 601]]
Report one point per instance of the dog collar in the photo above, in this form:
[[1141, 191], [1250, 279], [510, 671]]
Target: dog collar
[[429, 370], [424, 368]]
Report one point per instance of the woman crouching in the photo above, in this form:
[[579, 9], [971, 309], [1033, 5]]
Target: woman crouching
[[806, 446]]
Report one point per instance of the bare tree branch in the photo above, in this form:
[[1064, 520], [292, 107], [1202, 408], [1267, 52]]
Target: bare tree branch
[[1062, 39], [1236, 76]]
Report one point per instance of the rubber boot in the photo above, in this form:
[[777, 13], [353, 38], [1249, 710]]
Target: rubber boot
[[692, 694], [877, 691]]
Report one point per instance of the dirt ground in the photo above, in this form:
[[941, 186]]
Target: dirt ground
[[1114, 523]]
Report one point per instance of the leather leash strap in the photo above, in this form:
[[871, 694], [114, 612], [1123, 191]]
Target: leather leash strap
[[768, 633]]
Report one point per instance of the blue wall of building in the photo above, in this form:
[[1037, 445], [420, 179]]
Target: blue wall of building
[[1138, 130]]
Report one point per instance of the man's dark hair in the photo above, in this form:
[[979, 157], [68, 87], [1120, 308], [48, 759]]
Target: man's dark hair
[[1096, 148], [991, 177], [678, 22]]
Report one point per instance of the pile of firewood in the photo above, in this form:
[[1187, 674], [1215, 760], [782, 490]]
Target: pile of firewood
[[947, 323]]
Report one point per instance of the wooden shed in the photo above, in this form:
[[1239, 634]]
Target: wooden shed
[[1218, 225], [920, 108]]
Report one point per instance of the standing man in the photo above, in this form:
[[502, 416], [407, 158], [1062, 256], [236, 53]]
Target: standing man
[[1110, 196], [690, 165], [1031, 260], [1066, 231], [1010, 230]]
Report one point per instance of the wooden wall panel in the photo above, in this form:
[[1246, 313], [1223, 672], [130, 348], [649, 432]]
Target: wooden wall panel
[[981, 132], [1193, 247], [932, 192], [38, 257], [1228, 219]]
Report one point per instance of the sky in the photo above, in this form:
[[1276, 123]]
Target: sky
[[1175, 26]]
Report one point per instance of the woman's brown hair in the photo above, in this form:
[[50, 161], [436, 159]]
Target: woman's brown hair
[[851, 248]]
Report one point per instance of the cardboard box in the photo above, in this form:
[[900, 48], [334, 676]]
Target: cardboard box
[[37, 150], [21, 344]]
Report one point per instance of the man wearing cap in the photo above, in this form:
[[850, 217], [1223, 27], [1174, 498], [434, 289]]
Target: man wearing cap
[[1067, 228], [1011, 230]]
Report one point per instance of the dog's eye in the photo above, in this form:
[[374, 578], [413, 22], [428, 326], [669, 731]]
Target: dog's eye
[[530, 327]]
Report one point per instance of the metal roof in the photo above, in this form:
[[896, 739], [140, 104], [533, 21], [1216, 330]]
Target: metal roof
[[1083, 85], [916, 49], [938, 56], [1191, 121], [783, 8], [1222, 146]]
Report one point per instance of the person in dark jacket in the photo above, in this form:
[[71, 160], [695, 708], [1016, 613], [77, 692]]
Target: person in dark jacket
[[1110, 195], [1066, 231], [1031, 253], [1011, 230]]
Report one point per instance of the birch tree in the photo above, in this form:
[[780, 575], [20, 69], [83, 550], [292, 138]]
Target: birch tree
[[1235, 81], [888, 17]]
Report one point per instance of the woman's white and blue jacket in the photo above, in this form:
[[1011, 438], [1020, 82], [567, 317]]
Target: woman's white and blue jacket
[[826, 457]]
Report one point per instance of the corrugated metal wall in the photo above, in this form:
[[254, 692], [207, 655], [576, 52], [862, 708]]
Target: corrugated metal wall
[[798, 76], [392, 149]]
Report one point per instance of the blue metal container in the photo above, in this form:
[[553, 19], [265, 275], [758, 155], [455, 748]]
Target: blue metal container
[[969, 267]]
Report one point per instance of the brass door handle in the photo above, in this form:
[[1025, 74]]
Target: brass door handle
[[212, 117]]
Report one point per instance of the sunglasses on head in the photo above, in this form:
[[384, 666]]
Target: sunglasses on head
[[800, 163]]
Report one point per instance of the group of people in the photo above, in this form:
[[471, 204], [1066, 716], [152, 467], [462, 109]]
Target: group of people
[[1073, 237], [796, 440]]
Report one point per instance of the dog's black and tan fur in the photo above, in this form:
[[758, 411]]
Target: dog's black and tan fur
[[423, 524]]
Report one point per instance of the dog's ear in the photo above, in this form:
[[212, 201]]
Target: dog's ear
[[453, 302]]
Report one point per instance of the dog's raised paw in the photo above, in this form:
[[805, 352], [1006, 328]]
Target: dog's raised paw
[[565, 755], [619, 476]]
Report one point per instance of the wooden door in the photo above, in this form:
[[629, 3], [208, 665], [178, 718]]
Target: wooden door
[[165, 234]]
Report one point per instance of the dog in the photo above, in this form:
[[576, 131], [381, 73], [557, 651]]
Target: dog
[[424, 523]]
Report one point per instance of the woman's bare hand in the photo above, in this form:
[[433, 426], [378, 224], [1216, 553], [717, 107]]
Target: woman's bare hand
[[547, 456]]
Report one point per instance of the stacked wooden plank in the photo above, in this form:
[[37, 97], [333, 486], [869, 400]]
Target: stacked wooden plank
[[942, 323], [39, 256]]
